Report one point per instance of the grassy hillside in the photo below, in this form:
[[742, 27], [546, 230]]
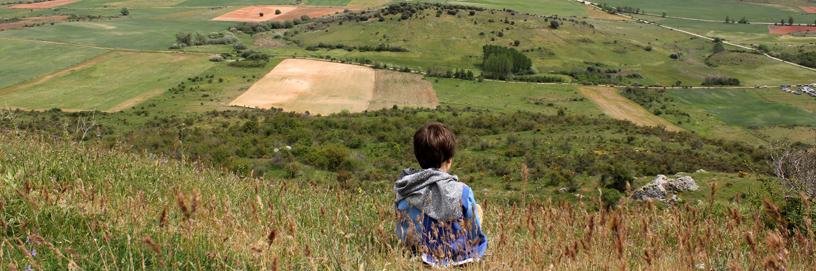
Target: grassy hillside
[[755, 11], [67, 205], [592, 51]]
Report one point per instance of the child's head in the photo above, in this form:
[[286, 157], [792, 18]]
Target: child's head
[[434, 145]]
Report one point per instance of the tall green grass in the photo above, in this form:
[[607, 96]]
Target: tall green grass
[[74, 206]]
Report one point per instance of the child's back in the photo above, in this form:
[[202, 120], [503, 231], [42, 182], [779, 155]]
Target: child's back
[[437, 216]]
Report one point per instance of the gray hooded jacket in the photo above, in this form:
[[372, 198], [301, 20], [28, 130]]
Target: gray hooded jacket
[[437, 194]]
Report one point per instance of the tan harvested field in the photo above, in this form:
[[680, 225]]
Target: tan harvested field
[[618, 107], [319, 87], [784, 30], [32, 21], [403, 90], [44, 5], [808, 9], [596, 13], [253, 13]]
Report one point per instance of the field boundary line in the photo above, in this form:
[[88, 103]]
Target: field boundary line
[[108, 48]]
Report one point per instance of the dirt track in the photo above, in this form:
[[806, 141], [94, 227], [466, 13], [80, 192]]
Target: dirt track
[[44, 5], [31, 21], [618, 107]]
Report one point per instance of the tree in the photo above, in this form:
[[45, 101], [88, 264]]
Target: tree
[[663, 15], [790, 20], [516, 43], [743, 20], [795, 168], [554, 24], [718, 46], [124, 12], [727, 19], [277, 12]]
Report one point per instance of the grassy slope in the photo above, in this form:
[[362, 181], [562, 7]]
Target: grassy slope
[[78, 205], [117, 79], [23, 61], [449, 42], [746, 108], [716, 9], [511, 97], [538, 7]]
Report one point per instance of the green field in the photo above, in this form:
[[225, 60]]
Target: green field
[[24, 60], [143, 29], [504, 97], [117, 81], [747, 108], [718, 9]]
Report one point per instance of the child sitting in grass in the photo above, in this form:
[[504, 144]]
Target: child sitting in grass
[[437, 215]]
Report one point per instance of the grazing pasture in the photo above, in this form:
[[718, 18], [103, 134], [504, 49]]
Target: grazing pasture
[[753, 11], [748, 108], [26, 60], [143, 29], [115, 81], [512, 97]]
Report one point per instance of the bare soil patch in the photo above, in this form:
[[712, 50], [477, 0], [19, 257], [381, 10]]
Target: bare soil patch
[[312, 86], [808, 9], [32, 21], [784, 30], [267, 13], [44, 5], [596, 13], [319, 87], [312, 12], [403, 90], [618, 107]]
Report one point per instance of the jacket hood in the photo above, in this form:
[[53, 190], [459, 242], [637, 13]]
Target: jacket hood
[[436, 193]]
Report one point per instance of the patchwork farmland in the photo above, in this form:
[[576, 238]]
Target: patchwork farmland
[[319, 87], [267, 134]]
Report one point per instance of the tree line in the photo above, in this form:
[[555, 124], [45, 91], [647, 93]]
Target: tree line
[[499, 62]]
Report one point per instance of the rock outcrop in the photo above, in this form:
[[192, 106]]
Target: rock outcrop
[[665, 189]]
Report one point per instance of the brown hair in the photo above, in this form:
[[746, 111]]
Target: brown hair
[[433, 145]]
